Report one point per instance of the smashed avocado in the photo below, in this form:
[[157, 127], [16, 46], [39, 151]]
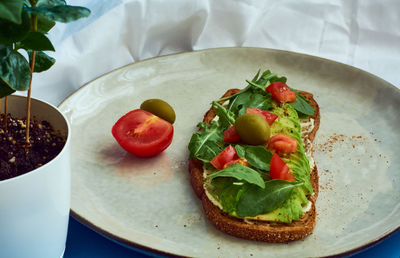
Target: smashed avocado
[[237, 189], [292, 209]]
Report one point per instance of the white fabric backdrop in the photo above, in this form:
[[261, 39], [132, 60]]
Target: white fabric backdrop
[[364, 34]]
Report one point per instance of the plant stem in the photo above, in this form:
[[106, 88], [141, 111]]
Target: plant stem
[[32, 67], [5, 113], [28, 102]]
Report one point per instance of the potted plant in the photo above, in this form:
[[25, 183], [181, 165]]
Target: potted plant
[[34, 135]]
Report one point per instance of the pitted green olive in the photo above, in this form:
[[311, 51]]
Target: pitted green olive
[[253, 129], [159, 108]]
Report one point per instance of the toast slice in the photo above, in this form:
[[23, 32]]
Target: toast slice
[[260, 230]]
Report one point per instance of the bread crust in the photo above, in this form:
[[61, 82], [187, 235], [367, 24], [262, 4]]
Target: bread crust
[[274, 232]]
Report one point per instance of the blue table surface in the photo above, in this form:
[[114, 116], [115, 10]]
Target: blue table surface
[[84, 242]]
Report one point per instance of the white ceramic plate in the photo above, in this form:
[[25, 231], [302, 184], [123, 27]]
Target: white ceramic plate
[[149, 203]]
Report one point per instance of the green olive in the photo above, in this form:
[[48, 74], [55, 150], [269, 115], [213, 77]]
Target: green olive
[[159, 108], [253, 129]]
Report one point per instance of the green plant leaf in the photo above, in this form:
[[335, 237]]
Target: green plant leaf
[[205, 143], [10, 10], [50, 3], [11, 32], [266, 75], [237, 103], [301, 105], [266, 78], [61, 13], [228, 192], [226, 117], [37, 41], [44, 25], [257, 156], [249, 99], [5, 90], [255, 200], [278, 79], [240, 172], [14, 69], [242, 91], [256, 100], [257, 84], [42, 61], [260, 101], [254, 95]]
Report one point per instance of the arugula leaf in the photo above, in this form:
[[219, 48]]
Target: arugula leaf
[[226, 117], [37, 41], [249, 99], [301, 105], [255, 200], [10, 10], [242, 91], [255, 78], [260, 101], [240, 172], [5, 90], [267, 76], [237, 103], [14, 69], [61, 13], [256, 100], [256, 85], [264, 77], [278, 79], [204, 144], [257, 156], [42, 61], [254, 95]]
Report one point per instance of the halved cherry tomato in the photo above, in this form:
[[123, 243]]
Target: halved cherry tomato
[[241, 161], [231, 135], [142, 133], [270, 117], [279, 169], [227, 155], [282, 144], [281, 92]]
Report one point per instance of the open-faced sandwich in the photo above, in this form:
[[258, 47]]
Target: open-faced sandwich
[[251, 161]]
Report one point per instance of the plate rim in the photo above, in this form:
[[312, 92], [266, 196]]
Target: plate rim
[[143, 248], [136, 246], [220, 49], [117, 239]]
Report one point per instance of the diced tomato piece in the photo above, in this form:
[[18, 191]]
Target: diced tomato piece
[[227, 155], [231, 135], [241, 161], [281, 92], [270, 117], [279, 169], [282, 144], [142, 133]]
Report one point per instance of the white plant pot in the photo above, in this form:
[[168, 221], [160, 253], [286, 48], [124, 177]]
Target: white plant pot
[[34, 207]]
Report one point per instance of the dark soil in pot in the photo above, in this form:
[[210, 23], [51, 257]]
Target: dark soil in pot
[[15, 158]]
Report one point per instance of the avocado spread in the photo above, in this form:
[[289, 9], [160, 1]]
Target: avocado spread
[[248, 192], [288, 123]]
